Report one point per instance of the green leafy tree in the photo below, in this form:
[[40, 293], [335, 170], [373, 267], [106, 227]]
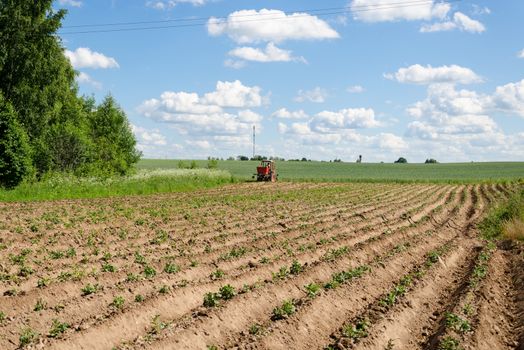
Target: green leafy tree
[[35, 76], [115, 145], [15, 153], [401, 160], [64, 132]]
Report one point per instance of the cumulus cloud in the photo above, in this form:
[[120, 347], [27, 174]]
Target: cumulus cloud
[[390, 141], [510, 98], [73, 3], [395, 10], [329, 127], [148, 137], [251, 26], [271, 53], [521, 54], [317, 95], [418, 74], [283, 113], [218, 117], [349, 118], [459, 21], [169, 4], [83, 57], [234, 94], [448, 113], [355, 89]]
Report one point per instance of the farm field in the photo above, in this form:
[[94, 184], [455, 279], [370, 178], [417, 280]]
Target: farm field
[[262, 266], [326, 171]]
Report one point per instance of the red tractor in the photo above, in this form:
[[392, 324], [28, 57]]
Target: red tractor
[[266, 171]]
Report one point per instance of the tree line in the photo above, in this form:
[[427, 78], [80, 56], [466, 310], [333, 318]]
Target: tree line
[[45, 126]]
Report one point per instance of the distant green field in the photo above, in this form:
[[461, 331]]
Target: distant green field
[[325, 171]]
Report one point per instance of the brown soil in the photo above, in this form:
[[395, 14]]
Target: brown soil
[[249, 236]]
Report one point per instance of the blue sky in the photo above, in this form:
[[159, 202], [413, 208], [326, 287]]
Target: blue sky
[[322, 80]]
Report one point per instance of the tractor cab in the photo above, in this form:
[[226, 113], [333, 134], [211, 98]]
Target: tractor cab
[[266, 171]]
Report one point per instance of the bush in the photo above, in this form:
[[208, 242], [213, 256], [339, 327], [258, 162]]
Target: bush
[[212, 164], [15, 153], [507, 219]]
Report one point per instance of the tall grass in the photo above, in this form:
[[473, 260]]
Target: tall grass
[[61, 186], [506, 220]]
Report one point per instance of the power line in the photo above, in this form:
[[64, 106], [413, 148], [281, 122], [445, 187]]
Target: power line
[[309, 11], [203, 21]]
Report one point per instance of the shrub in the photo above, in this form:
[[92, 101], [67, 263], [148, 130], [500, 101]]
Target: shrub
[[227, 292], [281, 312], [15, 152]]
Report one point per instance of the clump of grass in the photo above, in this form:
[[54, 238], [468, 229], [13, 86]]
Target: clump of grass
[[227, 292], [171, 268], [118, 302], [449, 343], [64, 186], [40, 305], [28, 336], [211, 299], [57, 328], [506, 220], [90, 289], [285, 310], [312, 289], [255, 329], [456, 323], [358, 330], [149, 271]]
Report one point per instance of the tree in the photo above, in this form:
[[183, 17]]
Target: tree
[[63, 131], [35, 76], [401, 160], [431, 161], [114, 142], [15, 153]]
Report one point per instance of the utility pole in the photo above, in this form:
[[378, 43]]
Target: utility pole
[[253, 142]]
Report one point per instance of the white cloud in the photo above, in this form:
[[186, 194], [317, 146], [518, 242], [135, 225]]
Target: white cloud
[[84, 78], [234, 94], [390, 141], [355, 89], [449, 114], [460, 21], [317, 95], [418, 74], [251, 26], [202, 144], [510, 98], [147, 137], [218, 118], [395, 10], [350, 118], [73, 3], [169, 4], [283, 113], [270, 54], [521, 54], [83, 57]]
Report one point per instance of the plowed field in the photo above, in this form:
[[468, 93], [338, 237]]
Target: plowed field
[[262, 266]]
